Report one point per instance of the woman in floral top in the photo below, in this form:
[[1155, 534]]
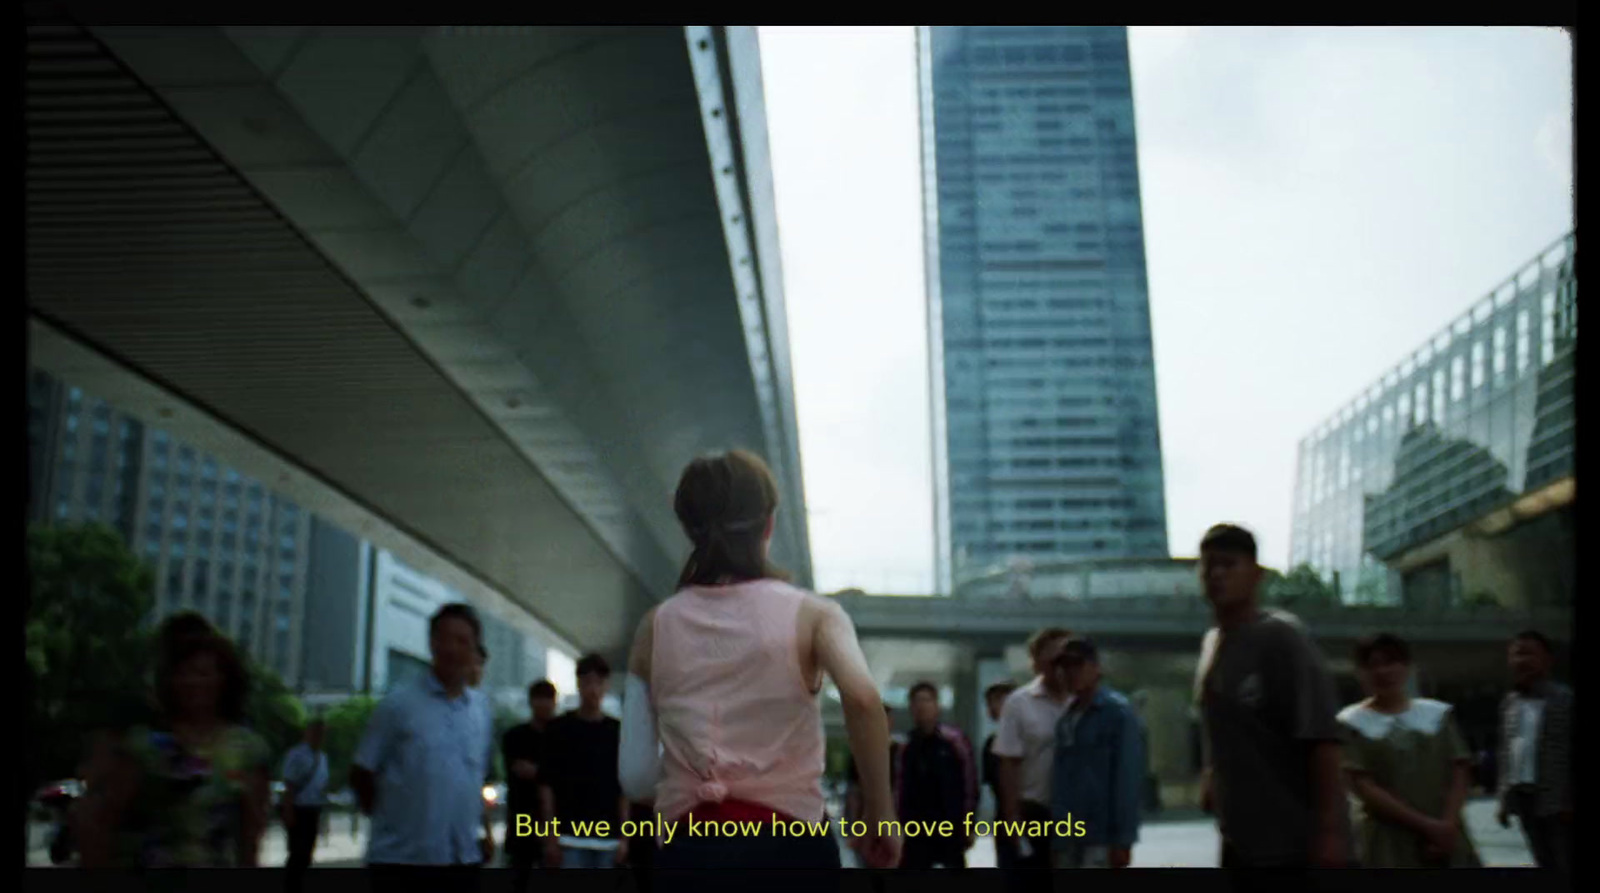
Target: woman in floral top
[[193, 790]]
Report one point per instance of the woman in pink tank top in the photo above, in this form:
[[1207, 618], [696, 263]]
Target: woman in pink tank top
[[721, 721]]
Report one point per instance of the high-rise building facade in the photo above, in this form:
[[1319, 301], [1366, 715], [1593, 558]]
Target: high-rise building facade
[[219, 542], [330, 613], [1046, 439], [1466, 447]]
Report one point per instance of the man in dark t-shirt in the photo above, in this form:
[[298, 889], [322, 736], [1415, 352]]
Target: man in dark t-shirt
[[578, 783], [522, 749], [1270, 737]]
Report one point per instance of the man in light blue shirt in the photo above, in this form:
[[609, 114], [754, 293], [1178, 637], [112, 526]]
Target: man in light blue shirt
[[305, 780], [420, 767]]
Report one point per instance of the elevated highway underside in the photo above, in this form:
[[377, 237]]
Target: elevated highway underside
[[477, 294]]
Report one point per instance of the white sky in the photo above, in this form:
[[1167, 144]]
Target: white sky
[[1317, 202]]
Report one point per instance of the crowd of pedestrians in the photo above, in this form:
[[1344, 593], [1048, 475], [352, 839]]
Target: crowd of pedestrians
[[721, 719]]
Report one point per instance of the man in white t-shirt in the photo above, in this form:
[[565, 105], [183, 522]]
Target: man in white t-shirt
[[1025, 744]]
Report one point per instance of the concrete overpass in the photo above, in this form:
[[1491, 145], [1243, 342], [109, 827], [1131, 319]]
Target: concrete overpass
[[477, 294], [1163, 623]]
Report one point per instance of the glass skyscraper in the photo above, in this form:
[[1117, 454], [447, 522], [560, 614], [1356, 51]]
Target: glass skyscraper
[[1046, 443], [1473, 431]]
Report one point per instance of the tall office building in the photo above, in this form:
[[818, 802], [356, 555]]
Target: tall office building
[[1453, 477], [219, 542], [330, 613], [1046, 444]]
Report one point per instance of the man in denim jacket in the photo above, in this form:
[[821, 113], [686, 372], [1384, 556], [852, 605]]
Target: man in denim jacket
[[1099, 767]]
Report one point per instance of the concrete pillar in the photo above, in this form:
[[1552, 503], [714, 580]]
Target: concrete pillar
[[991, 668], [968, 699]]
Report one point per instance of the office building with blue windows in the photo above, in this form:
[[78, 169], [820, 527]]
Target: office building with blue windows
[[1046, 440]]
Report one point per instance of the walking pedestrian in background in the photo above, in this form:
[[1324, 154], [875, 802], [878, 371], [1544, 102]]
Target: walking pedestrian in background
[[1408, 765], [1098, 776], [1535, 763], [936, 781], [420, 766], [305, 781]]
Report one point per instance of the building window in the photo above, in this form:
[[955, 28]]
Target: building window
[[1477, 364], [1523, 341], [1499, 355], [1547, 330], [1458, 378], [1422, 404], [1438, 396]]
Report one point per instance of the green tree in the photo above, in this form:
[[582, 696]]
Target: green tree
[[87, 645], [272, 710], [346, 722], [1301, 587]]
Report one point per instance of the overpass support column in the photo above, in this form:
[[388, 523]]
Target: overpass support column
[[966, 708], [990, 668]]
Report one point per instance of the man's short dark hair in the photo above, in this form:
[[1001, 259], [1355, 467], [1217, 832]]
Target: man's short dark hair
[[316, 722], [542, 689], [920, 687], [594, 664], [1229, 538], [1533, 635], [1043, 637], [483, 653], [1386, 645], [1003, 689], [460, 611]]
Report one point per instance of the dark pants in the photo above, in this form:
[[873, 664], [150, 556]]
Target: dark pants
[[1005, 853], [1232, 858], [523, 859], [455, 878], [928, 852], [303, 837], [1549, 838], [1039, 858], [785, 863]]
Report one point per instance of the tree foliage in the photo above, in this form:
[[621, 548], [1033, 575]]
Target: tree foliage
[[345, 723], [86, 643], [1301, 587], [272, 710], [90, 652]]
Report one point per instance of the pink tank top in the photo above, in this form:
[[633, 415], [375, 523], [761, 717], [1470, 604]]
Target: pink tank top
[[736, 720]]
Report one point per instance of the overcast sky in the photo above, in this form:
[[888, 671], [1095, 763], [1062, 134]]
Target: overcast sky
[[1317, 202]]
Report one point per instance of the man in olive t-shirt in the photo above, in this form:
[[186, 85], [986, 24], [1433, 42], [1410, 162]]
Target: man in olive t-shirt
[[1271, 737]]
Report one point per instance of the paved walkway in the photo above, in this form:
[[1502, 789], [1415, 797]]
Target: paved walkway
[[1176, 844]]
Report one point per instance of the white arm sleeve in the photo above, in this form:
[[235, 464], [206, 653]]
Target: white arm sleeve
[[639, 755]]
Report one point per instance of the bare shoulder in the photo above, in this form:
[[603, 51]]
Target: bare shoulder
[[647, 625], [820, 605]]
